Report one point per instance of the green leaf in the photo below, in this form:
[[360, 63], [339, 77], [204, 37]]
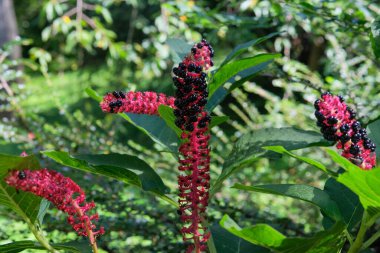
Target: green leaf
[[306, 193], [24, 204], [217, 120], [19, 246], [180, 48], [244, 47], [166, 113], [348, 203], [375, 36], [374, 133], [93, 94], [216, 98], [106, 15], [249, 148], [231, 69], [261, 234], [365, 184], [156, 128], [316, 164], [126, 168], [342, 161], [44, 207], [10, 148], [330, 241], [153, 126], [246, 75], [226, 242]]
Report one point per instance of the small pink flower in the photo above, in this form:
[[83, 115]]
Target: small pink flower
[[135, 102], [338, 123], [64, 193]]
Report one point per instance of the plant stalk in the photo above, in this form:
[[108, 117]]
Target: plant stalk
[[358, 243], [40, 238], [371, 240], [210, 241]]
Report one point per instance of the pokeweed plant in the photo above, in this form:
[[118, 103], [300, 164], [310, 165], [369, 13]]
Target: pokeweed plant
[[182, 124]]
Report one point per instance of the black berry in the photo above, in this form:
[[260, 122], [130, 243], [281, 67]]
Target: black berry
[[356, 138], [189, 127], [356, 126], [344, 138], [354, 149], [21, 174], [332, 120], [344, 128], [319, 116]]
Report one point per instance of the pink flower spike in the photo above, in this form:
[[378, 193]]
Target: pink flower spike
[[338, 123], [63, 192], [135, 102]]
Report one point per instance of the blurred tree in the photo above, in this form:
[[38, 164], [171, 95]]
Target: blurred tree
[[8, 26]]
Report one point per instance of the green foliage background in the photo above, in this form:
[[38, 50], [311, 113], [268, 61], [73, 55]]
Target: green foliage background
[[325, 45]]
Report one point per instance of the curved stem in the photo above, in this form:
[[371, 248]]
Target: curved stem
[[358, 243], [40, 238]]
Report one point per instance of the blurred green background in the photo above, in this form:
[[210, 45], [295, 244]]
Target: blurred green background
[[122, 45]]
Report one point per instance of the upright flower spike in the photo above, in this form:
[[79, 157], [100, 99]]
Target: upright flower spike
[[194, 160], [135, 102], [338, 123], [64, 193]]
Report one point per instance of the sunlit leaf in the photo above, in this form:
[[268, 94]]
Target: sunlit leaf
[[238, 50], [330, 241], [229, 70]]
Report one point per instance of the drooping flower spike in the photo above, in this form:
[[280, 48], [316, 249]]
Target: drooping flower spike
[[64, 193], [135, 102], [338, 123], [194, 161]]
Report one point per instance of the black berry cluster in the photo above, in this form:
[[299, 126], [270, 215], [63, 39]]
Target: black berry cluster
[[338, 123], [191, 93]]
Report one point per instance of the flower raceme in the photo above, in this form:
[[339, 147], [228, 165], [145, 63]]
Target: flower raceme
[[338, 123], [64, 193], [135, 102], [194, 161], [192, 118]]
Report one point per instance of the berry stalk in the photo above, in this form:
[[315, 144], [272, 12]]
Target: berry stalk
[[194, 160]]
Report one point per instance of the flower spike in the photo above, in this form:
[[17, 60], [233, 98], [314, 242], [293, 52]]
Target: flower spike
[[338, 124], [64, 193], [194, 161], [135, 102]]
